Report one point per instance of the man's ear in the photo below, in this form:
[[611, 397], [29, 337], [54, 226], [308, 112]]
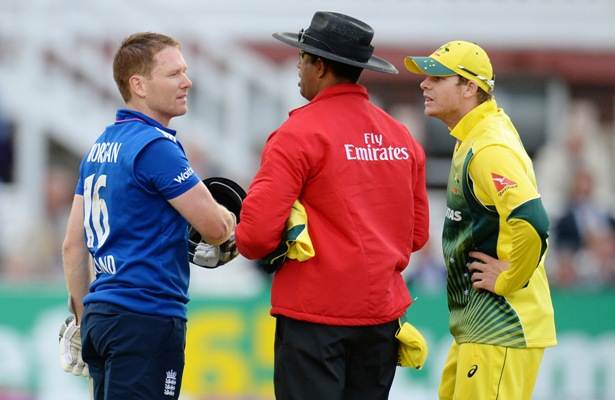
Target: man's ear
[[471, 88], [322, 67], [136, 85]]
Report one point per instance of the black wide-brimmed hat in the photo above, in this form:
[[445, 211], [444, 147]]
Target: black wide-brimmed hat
[[341, 38]]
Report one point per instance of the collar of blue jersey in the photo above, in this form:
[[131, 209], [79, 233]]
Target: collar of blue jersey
[[126, 115], [471, 119]]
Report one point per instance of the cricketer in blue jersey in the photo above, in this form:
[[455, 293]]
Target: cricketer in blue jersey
[[126, 246]]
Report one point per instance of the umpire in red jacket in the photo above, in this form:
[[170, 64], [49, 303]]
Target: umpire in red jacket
[[360, 176]]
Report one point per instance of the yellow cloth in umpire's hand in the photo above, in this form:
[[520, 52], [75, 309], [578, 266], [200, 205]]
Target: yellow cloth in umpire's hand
[[296, 236], [296, 243], [412, 350]]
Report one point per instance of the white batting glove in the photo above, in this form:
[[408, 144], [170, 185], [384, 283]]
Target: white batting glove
[[206, 255], [70, 349]]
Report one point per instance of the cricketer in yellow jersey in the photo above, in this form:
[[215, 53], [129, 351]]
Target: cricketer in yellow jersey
[[495, 234]]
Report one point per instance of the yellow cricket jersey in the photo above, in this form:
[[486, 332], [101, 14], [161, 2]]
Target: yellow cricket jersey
[[493, 206]]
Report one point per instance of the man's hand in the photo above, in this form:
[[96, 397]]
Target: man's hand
[[206, 255], [228, 250], [70, 349], [486, 270], [210, 256]]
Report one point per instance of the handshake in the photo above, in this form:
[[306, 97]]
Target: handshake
[[210, 256], [229, 194]]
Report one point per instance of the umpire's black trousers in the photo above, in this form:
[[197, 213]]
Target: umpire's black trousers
[[323, 362]]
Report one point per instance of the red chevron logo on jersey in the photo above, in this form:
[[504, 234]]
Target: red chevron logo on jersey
[[501, 182]]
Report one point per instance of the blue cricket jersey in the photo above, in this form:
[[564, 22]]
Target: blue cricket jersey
[[139, 242]]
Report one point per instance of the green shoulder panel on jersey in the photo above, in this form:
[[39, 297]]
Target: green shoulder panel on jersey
[[485, 219], [535, 214]]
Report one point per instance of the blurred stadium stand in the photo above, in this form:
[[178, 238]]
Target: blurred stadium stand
[[57, 92]]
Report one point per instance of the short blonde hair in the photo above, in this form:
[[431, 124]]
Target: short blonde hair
[[136, 55]]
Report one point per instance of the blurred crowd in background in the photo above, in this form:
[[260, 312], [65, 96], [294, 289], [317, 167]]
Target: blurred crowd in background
[[577, 196], [50, 40]]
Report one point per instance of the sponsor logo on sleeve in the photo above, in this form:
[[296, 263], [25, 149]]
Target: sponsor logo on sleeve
[[502, 184]]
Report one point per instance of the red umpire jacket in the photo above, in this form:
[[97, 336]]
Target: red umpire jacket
[[361, 177]]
